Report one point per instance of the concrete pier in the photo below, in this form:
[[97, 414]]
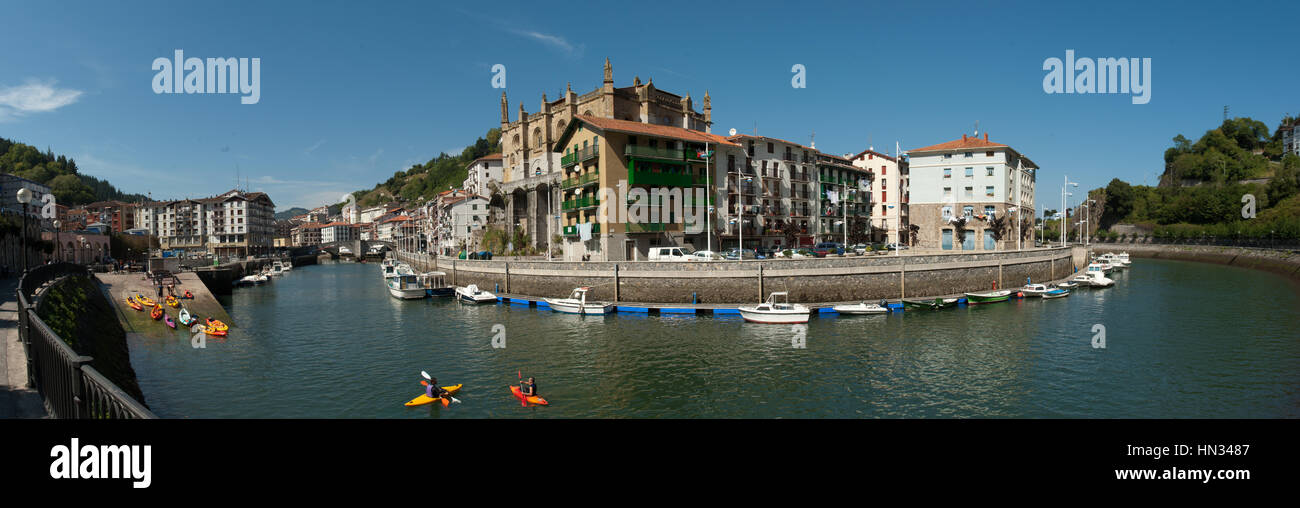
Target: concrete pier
[[204, 304]]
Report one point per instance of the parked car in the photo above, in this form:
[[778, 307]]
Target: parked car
[[859, 249], [895, 246], [671, 254], [734, 254], [825, 248], [706, 255]]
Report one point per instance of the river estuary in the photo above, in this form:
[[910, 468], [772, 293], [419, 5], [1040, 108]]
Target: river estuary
[[1182, 340]]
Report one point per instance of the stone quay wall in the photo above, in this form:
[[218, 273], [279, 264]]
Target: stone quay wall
[[832, 279]]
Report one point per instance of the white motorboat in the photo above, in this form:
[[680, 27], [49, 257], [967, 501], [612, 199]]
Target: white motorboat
[[276, 269], [255, 279], [405, 287], [1034, 290], [1096, 275], [1081, 280], [472, 294], [862, 308], [1070, 284], [776, 310], [577, 303], [1123, 259], [1055, 293], [389, 267]]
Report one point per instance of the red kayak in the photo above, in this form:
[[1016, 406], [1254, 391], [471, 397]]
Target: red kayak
[[519, 394]]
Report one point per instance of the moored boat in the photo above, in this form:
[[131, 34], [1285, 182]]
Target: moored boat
[[1034, 290], [216, 327], [1096, 276], [472, 294], [930, 304], [435, 284], [185, 318], [988, 297], [1055, 293], [577, 303], [405, 287], [862, 308], [776, 310]]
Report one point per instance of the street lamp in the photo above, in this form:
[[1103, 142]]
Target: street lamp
[[24, 197], [1015, 210], [58, 226]]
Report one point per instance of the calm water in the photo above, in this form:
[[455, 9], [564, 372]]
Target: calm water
[[1183, 340]]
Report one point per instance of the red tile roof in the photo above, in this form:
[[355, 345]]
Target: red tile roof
[[958, 144], [666, 131]]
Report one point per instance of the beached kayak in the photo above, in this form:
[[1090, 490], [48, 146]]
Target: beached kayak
[[425, 399], [519, 394]]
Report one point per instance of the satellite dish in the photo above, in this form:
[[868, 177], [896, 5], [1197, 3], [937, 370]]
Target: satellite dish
[[732, 132]]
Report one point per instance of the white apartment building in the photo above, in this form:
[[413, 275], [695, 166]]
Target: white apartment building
[[1291, 138], [973, 178], [10, 184], [236, 223], [770, 180], [373, 213], [338, 232], [889, 210], [483, 170], [464, 216]]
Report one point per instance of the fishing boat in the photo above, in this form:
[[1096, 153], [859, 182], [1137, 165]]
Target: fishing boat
[[577, 303], [389, 267], [185, 318], [1096, 276], [435, 284], [472, 294], [1055, 293], [988, 297], [1034, 289], [776, 310], [405, 287], [1123, 259], [935, 304], [862, 308]]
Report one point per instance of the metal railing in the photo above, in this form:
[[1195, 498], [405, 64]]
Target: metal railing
[[68, 385]]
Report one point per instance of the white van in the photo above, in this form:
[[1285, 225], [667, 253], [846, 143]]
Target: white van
[[671, 254]]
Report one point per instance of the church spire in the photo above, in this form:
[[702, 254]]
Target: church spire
[[609, 72]]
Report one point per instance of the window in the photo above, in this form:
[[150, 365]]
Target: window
[[970, 172], [988, 210], [968, 211], [769, 148], [947, 212], [884, 170], [988, 171], [947, 192], [947, 172], [988, 154], [970, 192], [988, 191], [969, 155], [884, 195], [947, 239], [947, 156]]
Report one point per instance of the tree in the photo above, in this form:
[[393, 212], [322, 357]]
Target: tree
[[1119, 203], [997, 226], [959, 227], [858, 231], [913, 233]]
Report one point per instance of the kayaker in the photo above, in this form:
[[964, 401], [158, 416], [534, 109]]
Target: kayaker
[[434, 391], [529, 388]]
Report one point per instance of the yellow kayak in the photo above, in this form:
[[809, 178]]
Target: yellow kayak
[[425, 399]]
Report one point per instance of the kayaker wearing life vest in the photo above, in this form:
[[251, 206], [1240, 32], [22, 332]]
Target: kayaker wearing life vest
[[529, 388], [434, 391]]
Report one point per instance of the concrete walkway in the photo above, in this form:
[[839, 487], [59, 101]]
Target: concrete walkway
[[17, 400]]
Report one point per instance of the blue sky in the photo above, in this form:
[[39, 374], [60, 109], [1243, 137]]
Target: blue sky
[[352, 91]]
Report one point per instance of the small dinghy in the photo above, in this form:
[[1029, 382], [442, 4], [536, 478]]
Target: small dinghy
[[577, 303], [862, 308], [472, 294], [1055, 293], [186, 318]]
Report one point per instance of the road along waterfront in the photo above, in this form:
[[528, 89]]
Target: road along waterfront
[[1182, 340]]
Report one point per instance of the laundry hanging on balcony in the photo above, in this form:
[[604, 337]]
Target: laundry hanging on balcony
[[833, 196], [584, 231]]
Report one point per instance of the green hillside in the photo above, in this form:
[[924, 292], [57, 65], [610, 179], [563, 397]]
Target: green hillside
[[422, 182], [60, 173]]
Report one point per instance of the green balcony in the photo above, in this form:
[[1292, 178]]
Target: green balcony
[[580, 203], [581, 180], [580, 155], [648, 152], [645, 177], [645, 227], [573, 230], [569, 159]]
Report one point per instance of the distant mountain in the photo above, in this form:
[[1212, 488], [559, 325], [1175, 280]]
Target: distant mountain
[[290, 213], [59, 173]]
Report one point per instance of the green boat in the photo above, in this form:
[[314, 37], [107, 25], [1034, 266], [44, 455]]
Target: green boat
[[935, 304], [989, 297]]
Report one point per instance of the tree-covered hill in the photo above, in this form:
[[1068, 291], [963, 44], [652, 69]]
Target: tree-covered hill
[[422, 182], [59, 173]]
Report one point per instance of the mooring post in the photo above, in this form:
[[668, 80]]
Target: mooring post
[[902, 279], [760, 281], [616, 282], [507, 265]]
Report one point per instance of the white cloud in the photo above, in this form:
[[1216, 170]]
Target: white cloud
[[34, 97], [313, 148], [554, 41]]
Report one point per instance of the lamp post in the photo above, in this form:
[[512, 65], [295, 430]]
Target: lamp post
[[1064, 211], [1016, 210], [58, 226], [24, 197]]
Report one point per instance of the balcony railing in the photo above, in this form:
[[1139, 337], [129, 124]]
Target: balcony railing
[[573, 230], [581, 180], [645, 227], [645, 177], [580, 155], [580, 203], [655, 152]]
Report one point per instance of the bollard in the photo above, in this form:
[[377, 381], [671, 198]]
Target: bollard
[[694, 298]]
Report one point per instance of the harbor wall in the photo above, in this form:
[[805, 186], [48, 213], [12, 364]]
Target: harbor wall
[[1282, 262], [833, 279]]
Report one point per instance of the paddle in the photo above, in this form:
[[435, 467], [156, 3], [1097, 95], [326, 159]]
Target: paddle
[[523, 399]]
